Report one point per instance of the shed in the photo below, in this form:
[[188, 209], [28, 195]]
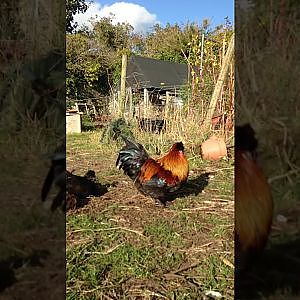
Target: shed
[[151, 86], [149, 73]]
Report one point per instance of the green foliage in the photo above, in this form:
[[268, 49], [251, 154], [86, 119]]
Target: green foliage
[[82, 68], [113, 37], [87, 123], [169, 43], [114, 130], [85, 69], [94, 58], [163, 233], [73, 7], [185, 93]]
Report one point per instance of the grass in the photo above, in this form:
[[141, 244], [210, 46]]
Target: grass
[[122, 246]]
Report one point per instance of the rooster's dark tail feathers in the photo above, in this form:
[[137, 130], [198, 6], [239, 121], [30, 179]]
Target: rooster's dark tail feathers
[[131, 158]]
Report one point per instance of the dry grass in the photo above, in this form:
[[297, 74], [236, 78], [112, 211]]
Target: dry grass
[[32, 241]]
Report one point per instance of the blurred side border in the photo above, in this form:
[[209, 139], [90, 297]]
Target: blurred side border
[[267, 97], [32, 110]]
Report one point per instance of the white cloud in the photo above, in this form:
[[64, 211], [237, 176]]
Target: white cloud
[[134, 14], [84, 18]]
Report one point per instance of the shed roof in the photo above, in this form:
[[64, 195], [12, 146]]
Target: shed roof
[[145, 72]]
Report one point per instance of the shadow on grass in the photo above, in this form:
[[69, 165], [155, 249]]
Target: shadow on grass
[[193, 187], [278, 269]]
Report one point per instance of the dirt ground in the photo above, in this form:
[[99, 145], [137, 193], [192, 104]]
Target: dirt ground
[[276, 274]]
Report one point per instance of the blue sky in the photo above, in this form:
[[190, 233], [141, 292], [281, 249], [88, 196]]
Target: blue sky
[[142, 15], [182, 11]]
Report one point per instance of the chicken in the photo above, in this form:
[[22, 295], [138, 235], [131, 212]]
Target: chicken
[[159, 178], [73, 190], [245, 140], [56, 176], [84, 186], [253, 199]]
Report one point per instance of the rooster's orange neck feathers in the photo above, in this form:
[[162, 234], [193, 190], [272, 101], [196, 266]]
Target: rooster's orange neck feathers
[[175, 161]]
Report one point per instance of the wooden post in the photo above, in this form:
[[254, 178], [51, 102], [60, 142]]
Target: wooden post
[[112, 103], [146, 98], [119, 103], [115, 105], [123, 84], [130, 103], [167, 105]]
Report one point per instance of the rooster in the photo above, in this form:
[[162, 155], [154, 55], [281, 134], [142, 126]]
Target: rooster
[[254, 205], [159, 178]]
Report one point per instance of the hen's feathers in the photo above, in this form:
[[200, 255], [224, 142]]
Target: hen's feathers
[[255, 201], [176, 162], [84, 186], [153, 168]]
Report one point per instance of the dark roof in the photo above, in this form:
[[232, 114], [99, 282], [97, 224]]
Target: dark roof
[[145, 72]]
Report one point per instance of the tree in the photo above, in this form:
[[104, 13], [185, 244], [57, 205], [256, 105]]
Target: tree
[[73, 7], [85, 68], [94, 58], [170, 42]]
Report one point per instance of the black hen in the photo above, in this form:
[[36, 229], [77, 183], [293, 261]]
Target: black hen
[[84, 186], [56, 176]]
